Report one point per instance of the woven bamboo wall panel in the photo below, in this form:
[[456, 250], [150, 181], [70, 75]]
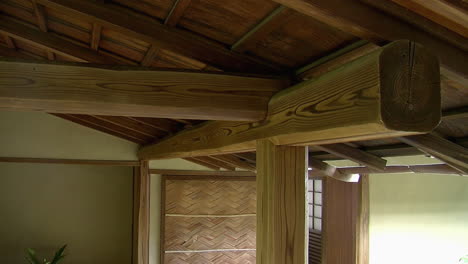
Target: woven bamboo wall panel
[[210, 197], [201, 233], [243, 257]]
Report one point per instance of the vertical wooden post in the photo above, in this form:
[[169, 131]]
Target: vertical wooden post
[[281, 204], [141, 213], [346, 222]]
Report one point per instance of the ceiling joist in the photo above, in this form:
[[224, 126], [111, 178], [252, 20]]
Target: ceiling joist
[[356, 101], [51, 42], [356, 155], [126, 91], [452, 154]]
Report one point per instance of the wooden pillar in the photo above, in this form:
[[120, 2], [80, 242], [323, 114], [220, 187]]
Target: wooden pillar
[[141, 213], [281, 204], [346, 222]]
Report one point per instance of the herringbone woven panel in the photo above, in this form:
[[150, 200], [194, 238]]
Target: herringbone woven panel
[[210, 197], [189, 233], [244, 257]]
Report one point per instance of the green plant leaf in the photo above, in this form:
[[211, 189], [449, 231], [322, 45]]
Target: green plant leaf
[[59, 255], [32, 256]]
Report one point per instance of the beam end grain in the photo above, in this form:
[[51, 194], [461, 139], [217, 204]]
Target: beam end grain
[[369, 98]]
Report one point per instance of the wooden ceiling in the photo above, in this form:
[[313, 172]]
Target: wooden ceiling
[[244, 36]]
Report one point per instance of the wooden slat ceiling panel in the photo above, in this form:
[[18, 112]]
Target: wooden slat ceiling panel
[[298, 41], [225, 21], [155, 8]]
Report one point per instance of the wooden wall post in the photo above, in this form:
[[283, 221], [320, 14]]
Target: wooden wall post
[[141, 213], [281, 204], [346, 222]]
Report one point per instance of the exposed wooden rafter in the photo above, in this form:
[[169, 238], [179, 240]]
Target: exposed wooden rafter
[[235, 161], [355, 102], [96, 36], [368, 23], [176, 12], [440, 12], [160, 35], [42, 23], [320, 168], [430, 168], [356, 155], [452, 154], [52, 42], [150, 55], [133, 92]]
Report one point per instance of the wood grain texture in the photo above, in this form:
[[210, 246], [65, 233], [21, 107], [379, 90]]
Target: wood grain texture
[[225, 21], [424, 23], [176, 12], [84, 89], [440, 12], [362, 229], [141, 214], [96, 36], [51, 42], [372, 97], [335, 63], [340, 224], [368, 23], [356, 155], [454, 155], [162, 36], [281, 204]]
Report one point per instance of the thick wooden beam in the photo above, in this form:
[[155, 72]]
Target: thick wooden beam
[[364, 21], [356, 155], [281, 204], [52, 42], [141, 213], [393, 91], [176, 12], [335, 60], [162, 36], [126, 91], [321, 168], [454, 155]]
